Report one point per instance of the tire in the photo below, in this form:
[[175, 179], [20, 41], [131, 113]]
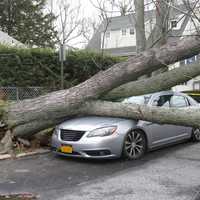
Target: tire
[[196, 135], [135, 145]]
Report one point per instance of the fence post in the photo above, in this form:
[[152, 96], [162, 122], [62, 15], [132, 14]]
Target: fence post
[[17, 93]]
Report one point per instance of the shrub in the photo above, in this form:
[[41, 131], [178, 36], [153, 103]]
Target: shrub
[[41, 67]]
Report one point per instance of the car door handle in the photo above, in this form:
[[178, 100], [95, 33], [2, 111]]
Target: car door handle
[[148, 123]]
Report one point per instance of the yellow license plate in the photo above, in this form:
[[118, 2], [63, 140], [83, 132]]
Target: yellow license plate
[[66, 149]]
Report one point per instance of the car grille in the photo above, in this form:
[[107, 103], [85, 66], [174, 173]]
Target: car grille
[[71, 135]]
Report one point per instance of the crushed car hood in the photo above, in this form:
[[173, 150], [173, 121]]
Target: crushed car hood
[[89, 123]]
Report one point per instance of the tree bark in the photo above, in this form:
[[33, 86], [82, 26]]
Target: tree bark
[[156, 83], [159, 33], [139, 25], [161, 115]]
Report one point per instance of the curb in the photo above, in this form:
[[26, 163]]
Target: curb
[[37, 152]]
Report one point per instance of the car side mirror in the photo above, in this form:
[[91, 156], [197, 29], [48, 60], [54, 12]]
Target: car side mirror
[[155, 102]]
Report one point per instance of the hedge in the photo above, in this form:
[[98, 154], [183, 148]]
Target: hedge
[[41, 67]]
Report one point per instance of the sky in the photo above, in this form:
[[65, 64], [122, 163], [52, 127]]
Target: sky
[[88, 8], [87, 11]]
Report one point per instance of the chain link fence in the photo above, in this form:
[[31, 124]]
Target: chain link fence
[[21, 93]]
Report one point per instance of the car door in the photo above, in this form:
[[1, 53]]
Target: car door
[[180, 132], [159, 133], [166, 133]]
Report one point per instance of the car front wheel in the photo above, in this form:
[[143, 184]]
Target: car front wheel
[[134, 145], [196, 135]]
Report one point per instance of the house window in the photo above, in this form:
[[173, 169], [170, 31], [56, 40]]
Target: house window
[[123, 31], [132, 31], [107, 34], [174, 24]]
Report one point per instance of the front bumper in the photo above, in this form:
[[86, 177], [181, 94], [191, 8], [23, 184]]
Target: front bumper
[[96, 147]]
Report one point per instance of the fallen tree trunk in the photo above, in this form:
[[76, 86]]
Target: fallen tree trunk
[[156, 83], [44, 111], [65, 103], [178, 116]]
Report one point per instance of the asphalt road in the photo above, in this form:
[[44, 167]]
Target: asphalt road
[[170, 173]]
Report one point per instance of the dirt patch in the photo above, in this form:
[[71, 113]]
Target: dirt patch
[[29, 145], [18, 197], [38, 141]]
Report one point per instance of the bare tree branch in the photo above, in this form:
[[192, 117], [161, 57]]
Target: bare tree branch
[[71, 22]]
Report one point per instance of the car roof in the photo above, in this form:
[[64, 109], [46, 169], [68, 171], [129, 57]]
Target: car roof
[[169, 92]]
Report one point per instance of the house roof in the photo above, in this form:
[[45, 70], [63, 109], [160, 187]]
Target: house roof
[[8, 40], [127, 21], [120, 22]]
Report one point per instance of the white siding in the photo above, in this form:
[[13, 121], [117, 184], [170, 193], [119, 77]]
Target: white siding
[[149, 5], [193, 84], [190, 28], [117, 40]]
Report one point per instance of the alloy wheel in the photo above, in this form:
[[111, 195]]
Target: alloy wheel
[[135, 145], [196, 134]]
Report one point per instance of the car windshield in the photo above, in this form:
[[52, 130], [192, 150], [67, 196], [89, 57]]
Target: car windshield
[[144, 99]]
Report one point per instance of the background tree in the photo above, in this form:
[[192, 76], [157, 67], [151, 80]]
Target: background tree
[[105, 14], [69, 23], [124, 7], [28, 22], [140, 25], [89, 29]]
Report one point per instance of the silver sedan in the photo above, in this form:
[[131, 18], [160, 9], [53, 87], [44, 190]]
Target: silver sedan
[[110, 137]]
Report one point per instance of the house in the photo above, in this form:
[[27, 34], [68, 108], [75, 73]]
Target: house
[[117, 34], [193, 84], [5, 39], [119, 38]]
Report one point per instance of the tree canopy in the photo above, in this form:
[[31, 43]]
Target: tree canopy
[[28, 22]]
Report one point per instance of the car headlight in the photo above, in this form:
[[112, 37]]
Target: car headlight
[[56, 130], [101, 132]]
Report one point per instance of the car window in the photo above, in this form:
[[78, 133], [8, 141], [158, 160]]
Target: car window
[[178, 101], [137, 99], [192, 101], [163, 100]]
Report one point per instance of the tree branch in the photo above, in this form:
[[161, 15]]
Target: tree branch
[[161, 115], [156, 83]]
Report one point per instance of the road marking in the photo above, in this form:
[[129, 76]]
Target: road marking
[[22, 170]]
